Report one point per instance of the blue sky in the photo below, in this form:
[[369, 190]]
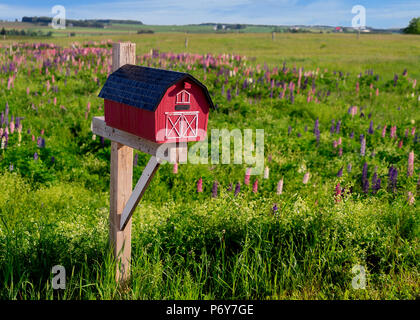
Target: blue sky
[[380, 14]]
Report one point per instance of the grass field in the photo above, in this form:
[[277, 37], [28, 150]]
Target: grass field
[[300, 244]]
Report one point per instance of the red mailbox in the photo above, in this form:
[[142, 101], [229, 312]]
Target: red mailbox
[[157, 105]]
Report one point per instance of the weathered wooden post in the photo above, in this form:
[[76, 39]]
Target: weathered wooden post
[[152, 110], [121, 179]]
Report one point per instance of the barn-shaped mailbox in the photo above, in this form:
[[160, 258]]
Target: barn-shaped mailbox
[[158, 105]]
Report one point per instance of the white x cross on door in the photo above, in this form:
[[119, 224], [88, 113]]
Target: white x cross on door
[[181, 124]]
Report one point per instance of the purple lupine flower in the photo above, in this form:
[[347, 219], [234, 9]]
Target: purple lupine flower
[[366, 186], [349, 167], [365, 171], [35, 156], [52, 159], [332, 126], [275, 209], [237, 188], [230, 187], [228, 95], [337, 128], [214, 190], [352, 135], [340, 172], [370, 130], [392, 175], [289, 130], [374, 179], [377, 186]]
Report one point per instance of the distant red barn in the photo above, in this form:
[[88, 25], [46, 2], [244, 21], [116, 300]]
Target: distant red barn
[[157, 105]]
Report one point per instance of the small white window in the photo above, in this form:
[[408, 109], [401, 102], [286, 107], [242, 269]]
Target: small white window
[[183, 97]]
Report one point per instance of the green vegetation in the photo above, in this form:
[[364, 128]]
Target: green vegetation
[[186, 245], [413, 27]]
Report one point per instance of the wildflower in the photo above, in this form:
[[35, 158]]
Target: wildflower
[[200, 185], [400, 144], [374, 178], [332, 126], [247, 176], [275, 209], [370, 130], [289, 130], [410, 198], [352, 135], [266, 172], [349, 167], [393, 131], [255, 186], [306, 178], [340, 152], [410, 168], [52, 159], [230, 187], [335, 144], [175, 168], [214, 190], [35, 156], [365, 172], [237, 189], [384, 131], [337, 128], [377, 186], [337, 193], [366, 186], [340, 172], [392, 175]]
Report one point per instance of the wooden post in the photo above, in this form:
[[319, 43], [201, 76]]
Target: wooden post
[[121, 180]]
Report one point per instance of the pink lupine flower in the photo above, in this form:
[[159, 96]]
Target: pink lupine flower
[[200, 185], [410, 167], [88, 107], [12, 126], [335, 144], [175, 168], [255, 186], [357, 87], [247, 176], [306, 178], [393, 132], [42, 132], [400, 144], [48, 85], [55, 101], [337, 193], [410, 198], [377, 92], [340, 152], [280, 186], [27, 91], [339, 142], [33, 138], [413, 131], [383, 131]]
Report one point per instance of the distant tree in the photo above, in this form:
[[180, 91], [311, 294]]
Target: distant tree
[[413, 27], [3, 31]]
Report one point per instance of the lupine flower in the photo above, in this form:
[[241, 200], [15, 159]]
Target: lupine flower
[[280, 186], [289, 130], [332, 126], [352, 135], [410, 198], [400, 144], [237, 189], [228, 95], [335, 144], [370, 130], [395, 80], [410, 167], [384, 131], [337, 193], [377, 186], [316, 125], [374, 179], [175, 168], [200, 185], [366, 186], [340, 172], [275, 209], [255, 186], [306, 178], [365, 172], [266, 172], [35, 156], [230, 187], [363, 147], [337, 128], [392, 174], [340, 152], [247, 176], [349, 167], [52, 159], [393, 131], [214, 190]]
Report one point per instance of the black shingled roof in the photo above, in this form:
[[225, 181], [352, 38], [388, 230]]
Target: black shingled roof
[[144, 87]]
